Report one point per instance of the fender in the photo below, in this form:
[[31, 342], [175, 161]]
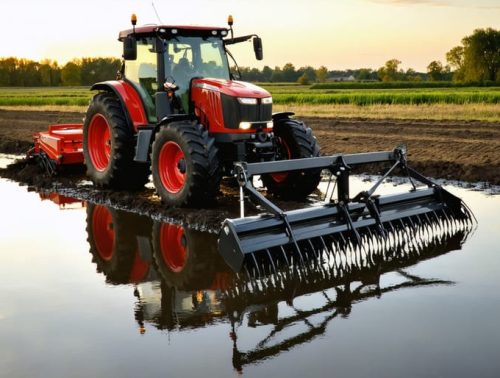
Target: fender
[[146, 135], [282, 115], [130, 100]]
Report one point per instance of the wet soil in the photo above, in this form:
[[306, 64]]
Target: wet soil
[[17, 127], [457, 150]]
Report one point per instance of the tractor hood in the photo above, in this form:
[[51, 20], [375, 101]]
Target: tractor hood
[[231, 88]]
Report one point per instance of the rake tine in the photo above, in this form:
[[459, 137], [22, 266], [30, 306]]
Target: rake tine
[[284, 255], [255, 264], [271, 260]]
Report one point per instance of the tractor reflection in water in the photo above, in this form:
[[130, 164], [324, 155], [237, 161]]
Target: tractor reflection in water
[[176, 271], [181, 282]]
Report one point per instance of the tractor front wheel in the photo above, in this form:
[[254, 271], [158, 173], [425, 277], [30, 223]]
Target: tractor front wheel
[[293, 141], [185, 166]]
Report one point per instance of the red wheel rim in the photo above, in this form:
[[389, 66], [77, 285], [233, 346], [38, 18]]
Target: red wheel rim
[[173, 246], [99, 142], [172, 167], [103, 232], [279, 177]]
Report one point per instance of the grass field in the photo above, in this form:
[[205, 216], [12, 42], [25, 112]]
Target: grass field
[[481, 103], [410, 96]]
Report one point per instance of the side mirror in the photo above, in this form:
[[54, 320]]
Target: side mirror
[[257, 48], [130, 48]]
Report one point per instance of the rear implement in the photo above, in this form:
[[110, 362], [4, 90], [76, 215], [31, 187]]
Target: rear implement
[[59, 145], [286, 237]]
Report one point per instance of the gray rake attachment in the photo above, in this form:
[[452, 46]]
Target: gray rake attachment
[[268, 242], [343, 283]]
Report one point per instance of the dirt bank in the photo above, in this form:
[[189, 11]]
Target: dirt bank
[[467, 151]]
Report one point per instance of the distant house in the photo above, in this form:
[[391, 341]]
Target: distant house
[[341, 78]]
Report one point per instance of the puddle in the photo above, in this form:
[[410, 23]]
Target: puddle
[[6, 159], [89, 290]]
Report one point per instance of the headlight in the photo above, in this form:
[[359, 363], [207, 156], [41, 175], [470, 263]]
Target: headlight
[[245, 125], [267, 100], [270, 124], [247, 101]]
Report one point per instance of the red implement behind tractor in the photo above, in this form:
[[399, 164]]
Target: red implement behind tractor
[[59, 145], [176, 111]]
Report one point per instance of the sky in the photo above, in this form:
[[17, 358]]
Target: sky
[[338, 34]]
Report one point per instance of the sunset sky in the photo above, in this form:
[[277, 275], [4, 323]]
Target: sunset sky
[[339, 34]]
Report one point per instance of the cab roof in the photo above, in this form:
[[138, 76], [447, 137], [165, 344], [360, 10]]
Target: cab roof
[[172, 30]]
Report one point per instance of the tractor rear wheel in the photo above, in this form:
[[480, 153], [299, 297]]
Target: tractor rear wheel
[[112, 245], [294, 141], [185, 165], [108, 146]]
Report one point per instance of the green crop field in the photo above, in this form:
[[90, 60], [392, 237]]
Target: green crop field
[[56, 96], [332, 100], [283, 94], [409, 96]]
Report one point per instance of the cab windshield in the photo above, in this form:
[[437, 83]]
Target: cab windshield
[[189, 57], [185, 58]]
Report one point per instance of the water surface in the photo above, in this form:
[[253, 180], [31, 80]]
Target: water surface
[[83, 298]]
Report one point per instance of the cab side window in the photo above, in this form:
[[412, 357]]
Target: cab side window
[[142, 73]]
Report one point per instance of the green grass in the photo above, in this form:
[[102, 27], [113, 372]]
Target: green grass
[[283, 95], [400, 84], [58, 96], [411, 96]]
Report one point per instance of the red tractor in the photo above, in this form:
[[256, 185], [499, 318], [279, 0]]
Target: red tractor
[[176, 111]]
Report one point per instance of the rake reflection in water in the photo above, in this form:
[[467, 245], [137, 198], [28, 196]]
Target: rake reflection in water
[[182, 283]]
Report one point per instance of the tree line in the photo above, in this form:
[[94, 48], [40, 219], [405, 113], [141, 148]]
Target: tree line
[[19, 72], [477, 59]]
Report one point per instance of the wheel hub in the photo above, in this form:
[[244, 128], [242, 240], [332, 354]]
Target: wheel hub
[[99, 142], [172, 167]]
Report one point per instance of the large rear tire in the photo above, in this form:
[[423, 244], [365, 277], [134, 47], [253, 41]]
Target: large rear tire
[[112, 244], [108, 146], [184, 258], [294, 141], [185, 165]]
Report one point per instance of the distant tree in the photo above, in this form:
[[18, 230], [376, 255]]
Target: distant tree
[[478, 58], [277, 75], [8, 72], [289, 73], [321, 74], [455, 58], [267, 73], [412, 75], [94, 70], [50, 73], [363, 74], [28, 73], [304, 79], [308, 71], [71, 73], [390, 71], [435, 71]]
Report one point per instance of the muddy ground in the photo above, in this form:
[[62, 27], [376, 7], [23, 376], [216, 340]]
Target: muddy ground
[[458, 150]]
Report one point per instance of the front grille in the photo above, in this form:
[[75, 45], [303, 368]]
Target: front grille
[[234, 112]]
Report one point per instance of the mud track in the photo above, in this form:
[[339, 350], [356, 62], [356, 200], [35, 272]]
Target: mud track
[[458, 150]]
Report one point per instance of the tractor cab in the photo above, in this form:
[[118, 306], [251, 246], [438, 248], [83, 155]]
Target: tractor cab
[[173, 55], [164, 63]]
